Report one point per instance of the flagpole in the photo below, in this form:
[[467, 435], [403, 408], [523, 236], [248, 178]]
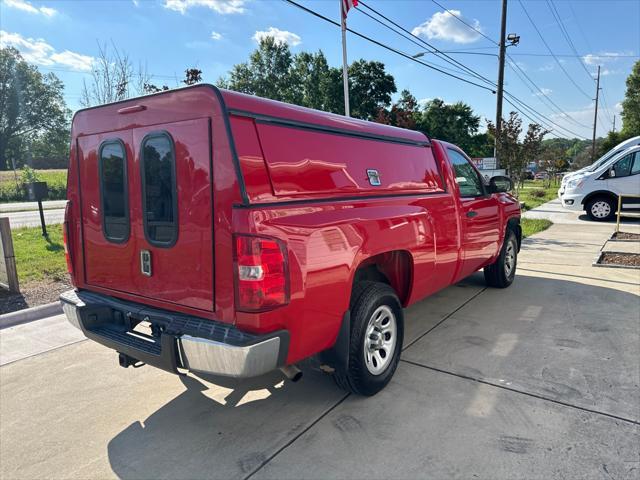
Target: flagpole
[[345, 68]]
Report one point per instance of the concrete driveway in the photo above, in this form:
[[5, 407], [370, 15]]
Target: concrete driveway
[[541, 380]]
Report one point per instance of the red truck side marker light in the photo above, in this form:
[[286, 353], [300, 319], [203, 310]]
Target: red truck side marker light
[[261, 273]]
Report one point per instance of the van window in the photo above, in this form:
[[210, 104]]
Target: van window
[[467, 177], [636, 164], [113, 191], [159, 199], [623, 166]]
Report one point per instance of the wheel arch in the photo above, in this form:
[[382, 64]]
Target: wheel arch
[[599, 193]]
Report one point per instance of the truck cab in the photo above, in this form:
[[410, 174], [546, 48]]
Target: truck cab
[[220, 233]]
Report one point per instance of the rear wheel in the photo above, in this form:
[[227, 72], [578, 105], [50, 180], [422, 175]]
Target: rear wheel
[[377, 330], [601, 209], [502, 272]]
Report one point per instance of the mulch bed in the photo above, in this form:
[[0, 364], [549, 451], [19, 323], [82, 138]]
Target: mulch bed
[[625, 236], [32, 294], [623, 259]]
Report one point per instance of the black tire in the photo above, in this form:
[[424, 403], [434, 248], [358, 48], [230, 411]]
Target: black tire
[[366, 299], [601, 209], [497, 274]]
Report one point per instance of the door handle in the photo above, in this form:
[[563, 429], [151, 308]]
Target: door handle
[[471, 214]]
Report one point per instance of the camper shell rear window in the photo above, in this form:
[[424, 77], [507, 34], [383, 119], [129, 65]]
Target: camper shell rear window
[[114, 195], [159, 192]]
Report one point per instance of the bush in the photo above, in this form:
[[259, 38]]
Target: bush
[[538, 193]]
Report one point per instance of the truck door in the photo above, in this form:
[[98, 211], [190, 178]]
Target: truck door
[[480, 215], [147, 212]]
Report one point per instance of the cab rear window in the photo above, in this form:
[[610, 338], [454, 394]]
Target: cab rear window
[[159, 199], [114, 194]]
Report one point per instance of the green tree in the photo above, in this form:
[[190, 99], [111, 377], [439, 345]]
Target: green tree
[[370, 88], [31, 107], [268, 73], [453, 123], [631, 104]]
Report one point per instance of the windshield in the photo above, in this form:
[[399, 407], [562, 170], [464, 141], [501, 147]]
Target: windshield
[[601, 162]]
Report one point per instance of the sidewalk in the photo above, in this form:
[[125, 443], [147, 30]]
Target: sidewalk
[[31, 206]]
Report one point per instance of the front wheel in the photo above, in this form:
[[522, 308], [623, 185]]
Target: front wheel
[[377, 331], [502, 272], [601, 209]]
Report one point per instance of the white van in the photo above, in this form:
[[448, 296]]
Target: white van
[[631, 142], [596, 191]]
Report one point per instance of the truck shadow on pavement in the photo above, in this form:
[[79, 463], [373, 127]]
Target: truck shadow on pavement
[[546, 337]]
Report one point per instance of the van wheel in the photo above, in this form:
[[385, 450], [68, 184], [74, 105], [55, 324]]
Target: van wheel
[[377, 331], [601, 209], [501, 273]]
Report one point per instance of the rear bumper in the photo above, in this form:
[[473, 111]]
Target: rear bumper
[[180, 341]]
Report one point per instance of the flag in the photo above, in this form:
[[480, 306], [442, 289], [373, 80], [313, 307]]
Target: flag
[[346, 5]]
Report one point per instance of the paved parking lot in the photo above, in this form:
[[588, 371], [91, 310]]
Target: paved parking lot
[[541, 380]]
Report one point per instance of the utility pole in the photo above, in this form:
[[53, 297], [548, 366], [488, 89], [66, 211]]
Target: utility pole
[[595, 117], [614, 123], [503, 48]]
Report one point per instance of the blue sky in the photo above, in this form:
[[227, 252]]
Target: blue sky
[[171, 35]]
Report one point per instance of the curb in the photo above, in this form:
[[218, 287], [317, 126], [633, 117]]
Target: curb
[[30, 314]]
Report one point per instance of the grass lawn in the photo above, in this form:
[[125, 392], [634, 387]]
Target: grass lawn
[[533, 225], [534, 193], [56, 181], [37, 258]]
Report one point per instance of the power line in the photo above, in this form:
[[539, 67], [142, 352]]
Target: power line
[[514, 65], [565, 34], [466, 23], [562, 113], [386, 47], [435, 50], [551, 51], [458, 70]]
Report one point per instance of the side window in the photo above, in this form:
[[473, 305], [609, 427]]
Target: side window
[[622, 167], [636, 164], [113, 191], [159, 196], [467, 178]]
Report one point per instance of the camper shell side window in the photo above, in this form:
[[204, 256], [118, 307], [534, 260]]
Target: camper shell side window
[[114, 192], [159, 191]]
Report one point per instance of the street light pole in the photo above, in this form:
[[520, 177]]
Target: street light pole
[[499, 92]]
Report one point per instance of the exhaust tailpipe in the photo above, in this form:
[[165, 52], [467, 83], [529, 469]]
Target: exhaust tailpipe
[[292, 372]]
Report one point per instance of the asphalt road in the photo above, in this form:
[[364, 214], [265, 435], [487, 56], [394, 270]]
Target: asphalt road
[[541, 380], [32, 219], [25, 214]]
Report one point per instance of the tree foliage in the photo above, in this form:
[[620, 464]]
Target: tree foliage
[[307, 79], [631, 104], [32, 109]]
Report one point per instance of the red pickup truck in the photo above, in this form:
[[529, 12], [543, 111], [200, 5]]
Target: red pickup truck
[[220, 233]]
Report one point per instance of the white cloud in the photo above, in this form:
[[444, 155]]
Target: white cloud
[[543, 92], [27, 7], [546, 68], [445, 26], [135, 3], [603, 57], [280, 36], [40, 52], [223, 7], [216, 36]]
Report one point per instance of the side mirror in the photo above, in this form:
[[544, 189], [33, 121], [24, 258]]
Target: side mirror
[[612, 172], [500, 184]]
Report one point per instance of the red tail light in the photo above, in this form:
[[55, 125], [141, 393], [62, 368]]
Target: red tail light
[[261, 273], [65, 237]]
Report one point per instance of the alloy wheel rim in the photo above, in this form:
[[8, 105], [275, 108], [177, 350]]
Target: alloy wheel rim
[[509, 259], [380, 340], [600, 209]]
